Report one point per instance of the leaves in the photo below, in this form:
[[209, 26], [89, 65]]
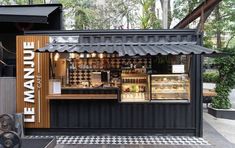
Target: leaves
[[149, 19], [226, 81], [184, 7], [20, 2], [225, 24], [113, 14]]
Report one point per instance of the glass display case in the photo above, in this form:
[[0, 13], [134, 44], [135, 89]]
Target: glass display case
[[134, 87], [170, 87]]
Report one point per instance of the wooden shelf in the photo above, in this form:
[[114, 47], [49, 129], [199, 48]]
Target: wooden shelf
[[134, 83], [170, 83], [133, 101], [209, 93], [171, 101], [81, 96], [97, 69], [168, 75], [134, 75], [169, 92], [133, 92]]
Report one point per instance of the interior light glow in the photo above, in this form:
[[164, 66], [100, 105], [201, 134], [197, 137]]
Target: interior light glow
[[72, 55], [93, 55], [81, 55], [57, 56], [101, 55]]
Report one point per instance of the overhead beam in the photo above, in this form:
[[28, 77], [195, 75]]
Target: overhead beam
[[204, 7], [203, 19]]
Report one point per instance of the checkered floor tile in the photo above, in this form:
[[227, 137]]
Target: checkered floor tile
[[129, 140]]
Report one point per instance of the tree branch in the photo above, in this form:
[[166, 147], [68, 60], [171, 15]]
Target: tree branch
[[229, 41]]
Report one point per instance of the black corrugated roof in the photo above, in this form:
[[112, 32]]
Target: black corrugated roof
[[131, 49]]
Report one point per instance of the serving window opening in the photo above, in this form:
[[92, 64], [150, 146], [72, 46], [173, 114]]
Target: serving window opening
[[164, 78]]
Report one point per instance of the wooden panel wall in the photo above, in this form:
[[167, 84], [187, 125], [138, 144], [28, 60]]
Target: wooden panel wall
[[41, 104], [7, 95]]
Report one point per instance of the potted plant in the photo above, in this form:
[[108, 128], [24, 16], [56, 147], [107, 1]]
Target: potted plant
[[221, 106]]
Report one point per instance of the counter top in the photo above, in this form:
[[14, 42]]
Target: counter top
[[209, 92], [90, 88], [81, 96]]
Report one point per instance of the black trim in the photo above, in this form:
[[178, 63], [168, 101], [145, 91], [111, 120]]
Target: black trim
[[34, 5], [23, 19], [115, 32], [94, 131]]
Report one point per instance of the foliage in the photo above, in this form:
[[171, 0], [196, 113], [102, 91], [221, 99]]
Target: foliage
[[81, 10], [220, 23], [184, 7], [20, 2], [5, 2], [122, 13], [210, 76], [112, 14], [224, 25], [149, 19], [226, 80]]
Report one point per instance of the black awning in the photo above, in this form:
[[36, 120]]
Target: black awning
[[134, 49], [26, 14]]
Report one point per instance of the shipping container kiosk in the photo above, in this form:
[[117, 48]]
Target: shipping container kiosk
[[111, 81]]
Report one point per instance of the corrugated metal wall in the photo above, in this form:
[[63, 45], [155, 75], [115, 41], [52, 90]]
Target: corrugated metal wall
[[7, 95], [111, 114]]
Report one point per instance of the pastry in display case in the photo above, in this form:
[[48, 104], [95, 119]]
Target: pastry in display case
[[170, 87], [134, 88]]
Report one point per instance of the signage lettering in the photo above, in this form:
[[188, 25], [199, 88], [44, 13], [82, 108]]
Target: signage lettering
[[31, 112], [29, 55]]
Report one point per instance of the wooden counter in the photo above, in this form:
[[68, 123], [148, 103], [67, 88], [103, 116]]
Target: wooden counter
[[209, 93], [82, 96]]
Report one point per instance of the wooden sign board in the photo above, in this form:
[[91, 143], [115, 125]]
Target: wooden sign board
[[32, 81]]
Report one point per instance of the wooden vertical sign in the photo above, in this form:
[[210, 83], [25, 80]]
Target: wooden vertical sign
[[32, 81]]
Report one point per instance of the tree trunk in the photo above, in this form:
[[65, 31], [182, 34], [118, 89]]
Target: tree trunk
[[161, 3], [169, 13], [165, 14], [152, 9], [218, 31], [30, 2], [127, 20]]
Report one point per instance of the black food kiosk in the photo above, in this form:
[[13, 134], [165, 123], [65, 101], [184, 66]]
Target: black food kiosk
[[111, 81]]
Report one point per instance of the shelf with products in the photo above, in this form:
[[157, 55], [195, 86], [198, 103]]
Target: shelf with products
[[168, 75], [133, 83], [169, 96], [133, 75], [170, 92], [134, 87], [170, 87], [170, 83], [97, 69]]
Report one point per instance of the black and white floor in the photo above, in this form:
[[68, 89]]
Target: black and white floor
[[129, 140]]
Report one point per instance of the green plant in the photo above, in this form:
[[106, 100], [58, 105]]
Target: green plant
[[226, 80], [149, 19], [210, 76]]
